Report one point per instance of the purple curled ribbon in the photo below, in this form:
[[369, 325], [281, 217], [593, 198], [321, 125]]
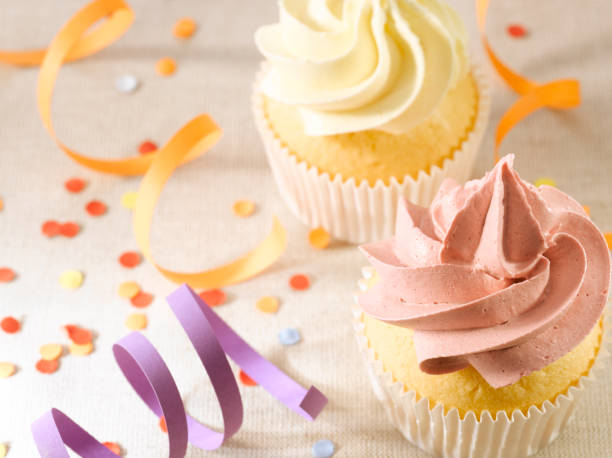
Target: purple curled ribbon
[[145, 370]]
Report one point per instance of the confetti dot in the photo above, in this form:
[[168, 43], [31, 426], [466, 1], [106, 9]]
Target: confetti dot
[[142, 299], [1, 204], [69, 229], [96, 208], [323, 449], [47, 367], [136, 322], [319, 238], [184, 28], [128, 200], [10, 325], [78, 335], [128, 289], [6, 370], [51, 228], [516, 31], [608, 237], [6, 274], [81, 349], [3, 450], [162, 424], [75, 185], [267, 304], [165, 66], [130, 259], [71, 279], [147, 147], [289, 336], [545, 181], [299, 282], [245, 379], [126, 83], [243, 208], [113, 447], [213, 297], [50, 352], [587, 209]]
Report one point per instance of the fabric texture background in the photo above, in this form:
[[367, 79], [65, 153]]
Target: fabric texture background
[[194, 227]]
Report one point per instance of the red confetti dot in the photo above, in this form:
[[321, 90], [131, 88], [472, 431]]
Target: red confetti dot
[[213, 297], [245, 379], [130, 259], [142, 300], [516, 31], [299, 282], [75, 185], [10, 325], [69, 229], [162, 424], [51, 228], [96, 208], [147, 147], [113, 447], [6, 274], [47, 367], [78, 335]]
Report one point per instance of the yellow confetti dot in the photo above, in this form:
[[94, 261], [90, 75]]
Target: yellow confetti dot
[[243, 208], [136, 321], [267, 304], [3, 450], [545, 181], [50, 352], [608, 236], [128, 200], [71, 279], [128, 289], [165, 66], [6, 370], [184, 28], [81, 350], [319, 238]]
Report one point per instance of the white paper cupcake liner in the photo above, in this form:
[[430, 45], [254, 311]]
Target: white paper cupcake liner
[[447, 435], [362, 213]]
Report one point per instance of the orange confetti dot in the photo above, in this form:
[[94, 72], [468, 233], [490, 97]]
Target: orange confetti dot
[[50, 352], [162, 424], [96, 208], [78, 335], [7, 370], [587, 209], [81, 349], [113, 447], [243, 208], [6, 274], [213, 297], [51, 228], [130, 259], [608, 236], [165, 66], [147, 147], [136, 322], [142, 299], [184, 28], [245, 379], [516, 31], [75, 185], [10, 325], [47, 367], [1, 204], [128, 289], [299, 282], [319, 238], [267, 304], [69, 229]]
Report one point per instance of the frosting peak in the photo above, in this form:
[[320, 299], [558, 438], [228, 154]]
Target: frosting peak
[[353, 65], [496, 274]]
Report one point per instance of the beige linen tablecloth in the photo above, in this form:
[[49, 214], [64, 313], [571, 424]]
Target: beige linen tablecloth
[[194, 227]]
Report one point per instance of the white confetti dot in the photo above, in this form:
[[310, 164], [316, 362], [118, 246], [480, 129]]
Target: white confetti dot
[[126, 83]]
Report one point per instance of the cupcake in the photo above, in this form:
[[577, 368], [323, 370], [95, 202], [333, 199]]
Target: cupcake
[[483, 322], [362, 102]]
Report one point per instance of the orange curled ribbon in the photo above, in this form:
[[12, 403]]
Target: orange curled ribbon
[[559, 94], [75, 41]]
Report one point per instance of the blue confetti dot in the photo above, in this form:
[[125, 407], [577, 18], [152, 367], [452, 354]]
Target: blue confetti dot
[[323, 449], [289, 336]]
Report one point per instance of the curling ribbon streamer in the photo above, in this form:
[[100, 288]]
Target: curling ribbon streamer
[[146, 371], [191, 141], [559, 94]]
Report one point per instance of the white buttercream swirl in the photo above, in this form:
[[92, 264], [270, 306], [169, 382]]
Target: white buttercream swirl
[[353, 65]]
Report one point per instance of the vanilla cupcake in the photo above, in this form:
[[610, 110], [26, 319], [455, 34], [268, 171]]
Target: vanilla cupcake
[[362, 102], [484, 319]]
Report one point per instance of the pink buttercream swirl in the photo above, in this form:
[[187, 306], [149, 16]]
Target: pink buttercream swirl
[[496, 274]]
